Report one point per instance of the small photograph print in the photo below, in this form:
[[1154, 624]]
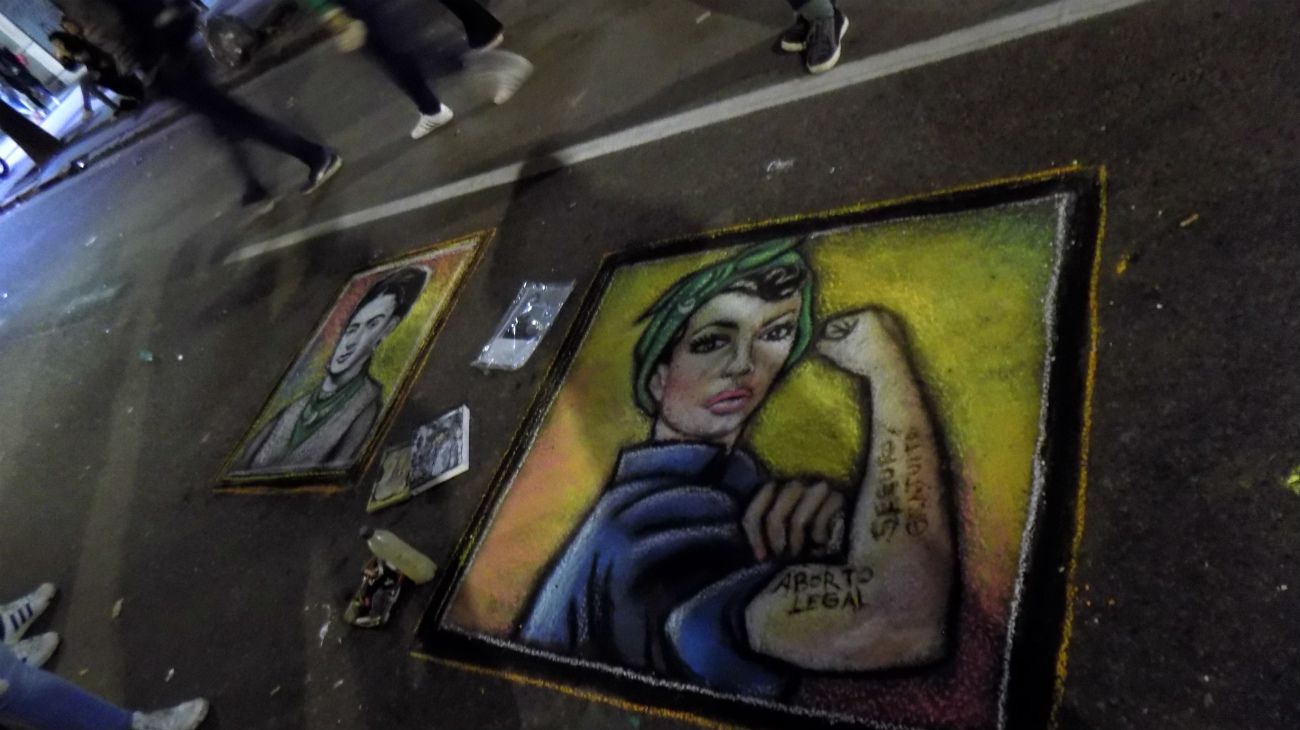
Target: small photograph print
[[393, 485], [522, 328], [440, 450]]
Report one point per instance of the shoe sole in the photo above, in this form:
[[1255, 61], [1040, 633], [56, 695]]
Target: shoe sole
[[330, 172], [793, 46], [830, 63], [422, 135]]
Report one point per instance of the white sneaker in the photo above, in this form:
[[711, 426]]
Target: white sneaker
[[498, 74], [17, 617], [510, 77], [186, 716], [430, 122], [38, 649]]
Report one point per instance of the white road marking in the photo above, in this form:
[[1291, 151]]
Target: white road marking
[[951, 45]]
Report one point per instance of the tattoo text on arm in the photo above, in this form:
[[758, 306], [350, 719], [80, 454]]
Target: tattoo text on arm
[[902, 495]]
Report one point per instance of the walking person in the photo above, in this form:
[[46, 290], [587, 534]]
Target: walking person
[[818, 28], [482, 31], [158, 33], [72, 50], [35, 698]]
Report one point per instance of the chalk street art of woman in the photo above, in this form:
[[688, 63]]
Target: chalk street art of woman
[[699, 566]]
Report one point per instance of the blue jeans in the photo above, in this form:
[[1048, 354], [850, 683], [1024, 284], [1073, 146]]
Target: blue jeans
[[35, 698]]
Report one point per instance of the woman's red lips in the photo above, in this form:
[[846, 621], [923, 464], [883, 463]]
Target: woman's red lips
[[729, 401]]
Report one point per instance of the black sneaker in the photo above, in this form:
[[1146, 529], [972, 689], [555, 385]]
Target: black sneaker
[[824, 43], [795, 38], [322, 172]]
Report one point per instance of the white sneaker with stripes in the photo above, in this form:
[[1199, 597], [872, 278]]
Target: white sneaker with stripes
[[18, 616], [430, 122]]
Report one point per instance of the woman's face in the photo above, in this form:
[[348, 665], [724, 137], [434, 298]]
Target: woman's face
[[722, 368], [367, 328]]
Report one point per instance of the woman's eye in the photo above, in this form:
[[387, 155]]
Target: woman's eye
[[778, 333], [708, 343]]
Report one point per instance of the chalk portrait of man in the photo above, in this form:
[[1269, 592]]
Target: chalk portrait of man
[[329, 426]]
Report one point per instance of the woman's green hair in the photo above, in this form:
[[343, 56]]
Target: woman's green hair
[[669, 314]]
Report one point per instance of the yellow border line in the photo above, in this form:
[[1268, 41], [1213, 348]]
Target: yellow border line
[[322, 489], [263, 485], [888, 203], [1085, 448], [583, 694]]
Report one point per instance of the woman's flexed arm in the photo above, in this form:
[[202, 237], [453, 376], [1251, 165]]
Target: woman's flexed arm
[[885, 604]]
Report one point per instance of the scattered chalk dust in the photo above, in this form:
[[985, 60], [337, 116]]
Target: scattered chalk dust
[[1292, 481]]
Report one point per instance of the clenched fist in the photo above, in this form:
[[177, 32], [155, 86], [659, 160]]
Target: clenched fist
[[793, 519]]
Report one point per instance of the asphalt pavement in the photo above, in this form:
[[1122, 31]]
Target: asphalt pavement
[[1186, 613]]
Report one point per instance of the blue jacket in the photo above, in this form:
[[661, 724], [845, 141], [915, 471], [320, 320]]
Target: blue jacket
[[658, 576]]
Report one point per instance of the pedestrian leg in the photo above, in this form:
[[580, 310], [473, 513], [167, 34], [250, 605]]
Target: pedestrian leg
[[85, 85], [255, 191], [401, 68], [482, 28], [88, 89], [35, 698], [404, 72], [813, 9], [191, 87]]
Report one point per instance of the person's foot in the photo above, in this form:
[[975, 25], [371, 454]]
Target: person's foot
[[795, 38], [430, 122], [510, 77], [322, 172], [18, 616], [185, 716], [38, 649], [824, 43]]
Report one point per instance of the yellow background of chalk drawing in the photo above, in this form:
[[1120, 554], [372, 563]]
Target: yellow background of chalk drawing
[[970, 288]]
